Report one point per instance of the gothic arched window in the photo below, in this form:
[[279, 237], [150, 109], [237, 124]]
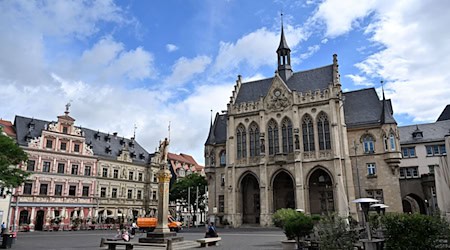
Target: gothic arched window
[[392, 141], [254, 140], [241, 138], [323, 126], [223, 158], [368, 142], [273, 137], [286, 133], [308, 134]]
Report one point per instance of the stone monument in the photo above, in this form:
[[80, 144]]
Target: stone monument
[[162, 233]]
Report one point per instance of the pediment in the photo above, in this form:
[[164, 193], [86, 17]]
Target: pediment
[[279, 96]]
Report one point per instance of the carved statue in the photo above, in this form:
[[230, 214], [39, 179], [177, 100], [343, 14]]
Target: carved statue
[[163, 150], [297, 142], [262, 146]]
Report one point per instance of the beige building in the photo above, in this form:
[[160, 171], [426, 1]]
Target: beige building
[[296, 140], [424, 169]]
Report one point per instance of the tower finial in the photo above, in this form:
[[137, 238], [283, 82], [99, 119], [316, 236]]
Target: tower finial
[[211, 116], [134, 132], [382, 89]]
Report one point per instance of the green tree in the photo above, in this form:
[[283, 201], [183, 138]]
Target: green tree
[[336, 233], [414, 231], [179, 190], [10, 156], [298, 227]]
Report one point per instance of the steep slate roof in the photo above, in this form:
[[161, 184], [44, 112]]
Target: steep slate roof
[[431, 132], [98, 145], [8, 128], [302, 81], [218, 131], [445, 115], [363, 107]]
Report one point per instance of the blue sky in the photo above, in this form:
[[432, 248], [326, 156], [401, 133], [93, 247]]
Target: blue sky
[[149, 63]]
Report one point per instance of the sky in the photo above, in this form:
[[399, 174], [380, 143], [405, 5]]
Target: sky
[[147, 64]]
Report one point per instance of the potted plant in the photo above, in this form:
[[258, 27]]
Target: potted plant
[[295, 225], [76, 223], [55, 223]]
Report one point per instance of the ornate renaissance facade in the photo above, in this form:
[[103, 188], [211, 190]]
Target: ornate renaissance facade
[[296, 140], [78, 173]]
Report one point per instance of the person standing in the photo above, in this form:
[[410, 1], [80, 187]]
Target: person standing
[[3, 228]]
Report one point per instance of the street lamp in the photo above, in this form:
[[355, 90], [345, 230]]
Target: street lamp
[[381, 208], [365, 205]]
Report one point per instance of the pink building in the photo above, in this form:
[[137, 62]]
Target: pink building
[[62, 186]]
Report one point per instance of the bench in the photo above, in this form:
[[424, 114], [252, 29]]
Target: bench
[[208, 241], [112, 243]]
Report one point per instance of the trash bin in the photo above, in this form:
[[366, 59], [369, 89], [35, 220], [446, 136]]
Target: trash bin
[[7, 240]]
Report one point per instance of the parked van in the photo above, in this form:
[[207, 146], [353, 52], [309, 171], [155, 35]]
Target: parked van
[[149, 224]]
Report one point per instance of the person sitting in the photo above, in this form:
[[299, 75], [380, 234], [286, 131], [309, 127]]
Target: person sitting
[[212, 232], [125, 235]]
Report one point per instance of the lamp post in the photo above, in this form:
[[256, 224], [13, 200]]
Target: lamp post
[[369, 243], [355, 146]]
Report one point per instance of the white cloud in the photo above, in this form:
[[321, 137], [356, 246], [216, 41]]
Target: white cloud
[[341, 16], [412, 37], [255, 49], [185, 69], [171, 47], [309, 52], [359, 80]]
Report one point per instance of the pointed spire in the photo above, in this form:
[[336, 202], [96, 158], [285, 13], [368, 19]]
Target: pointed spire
[[211, 118], [382, 89], [283, 43], [284, 56]]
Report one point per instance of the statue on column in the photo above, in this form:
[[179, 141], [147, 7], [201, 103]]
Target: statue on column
[[163, 151]]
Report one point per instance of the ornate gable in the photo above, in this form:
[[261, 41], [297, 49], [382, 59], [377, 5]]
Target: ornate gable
[[279, 95]]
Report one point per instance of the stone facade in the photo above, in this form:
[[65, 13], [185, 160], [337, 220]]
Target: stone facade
[[288, 142], [424, 169]]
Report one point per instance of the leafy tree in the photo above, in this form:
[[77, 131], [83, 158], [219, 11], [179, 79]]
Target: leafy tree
[[282, 215], [298, 227], [414, 231], [10, 156], [179, 190], [336, 233]]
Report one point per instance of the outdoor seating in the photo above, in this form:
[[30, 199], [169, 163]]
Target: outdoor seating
[[204, 242]]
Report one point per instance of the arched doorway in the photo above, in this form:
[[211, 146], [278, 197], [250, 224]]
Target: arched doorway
[[250, 200], [39, 220], [283, 191], [413, 204], [321, 198]]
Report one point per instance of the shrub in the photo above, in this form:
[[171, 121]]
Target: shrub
[[298, 226], [414, 231], [336, 233], [282, 215]]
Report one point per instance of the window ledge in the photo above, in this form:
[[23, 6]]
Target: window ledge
[[371, 176]]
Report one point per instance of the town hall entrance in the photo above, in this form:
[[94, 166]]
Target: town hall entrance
[[321, 198], [250, 200], [283, 191]]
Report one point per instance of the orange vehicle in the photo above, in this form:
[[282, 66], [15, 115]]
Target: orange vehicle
[[149, 224]]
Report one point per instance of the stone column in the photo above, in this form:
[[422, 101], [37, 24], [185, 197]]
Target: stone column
[[163, 200], [32, 218]]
